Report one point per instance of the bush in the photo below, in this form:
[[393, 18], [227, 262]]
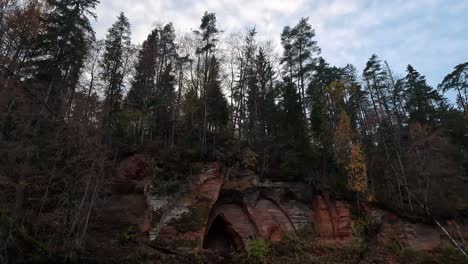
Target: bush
[[364, 229], [127, 236], [259, 249]]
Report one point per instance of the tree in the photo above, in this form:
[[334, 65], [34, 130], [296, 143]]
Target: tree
[[357, 170], [244, 90], [20, 26], [376, 84], [62, 47], [294, 122], [267, 95], [162, 103], [113, 70], [145, 72], [90, 83], [151, 96], [358, 103], [292, 133], [317, 91], [349, 155], [458, 80], [343, 139], [217, 105], [422, 100], [299, 51], [208, 34], [158, 51]]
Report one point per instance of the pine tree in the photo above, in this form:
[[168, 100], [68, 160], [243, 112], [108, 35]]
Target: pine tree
[[422, 100], [208, 34], [217, 106], [63, 46], [376, 80], [293, 119], [292, 132], [166, 49], [151, 98], [358, 103], [113, 71], [267, 95], [300, 50], [244, 84], [163, 102], [320, 117], [145, 72], [137, 102], [458, 80]]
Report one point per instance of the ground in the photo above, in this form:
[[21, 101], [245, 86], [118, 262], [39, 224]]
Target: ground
[[290, 251]]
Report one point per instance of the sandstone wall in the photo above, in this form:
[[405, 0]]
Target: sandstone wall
[[252, 209]]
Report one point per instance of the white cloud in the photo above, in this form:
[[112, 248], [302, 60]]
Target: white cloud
[[431, 34]]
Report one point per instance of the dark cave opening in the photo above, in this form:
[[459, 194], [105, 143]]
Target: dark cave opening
[[222, 237]]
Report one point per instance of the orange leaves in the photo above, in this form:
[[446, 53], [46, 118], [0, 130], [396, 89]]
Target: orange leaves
[[357, 170], [350, 155]]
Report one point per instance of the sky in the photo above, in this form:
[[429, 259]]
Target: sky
[[431, 35]]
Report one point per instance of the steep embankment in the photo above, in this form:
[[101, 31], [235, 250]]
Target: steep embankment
[[227, 210]]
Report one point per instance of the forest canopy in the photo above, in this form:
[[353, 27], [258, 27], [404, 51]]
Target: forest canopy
[[72, 106]]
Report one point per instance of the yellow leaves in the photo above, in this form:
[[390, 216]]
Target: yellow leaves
[[350, 155], [248, 158], [357, 170]]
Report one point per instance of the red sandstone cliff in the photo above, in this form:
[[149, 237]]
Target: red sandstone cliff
[[216, 212]]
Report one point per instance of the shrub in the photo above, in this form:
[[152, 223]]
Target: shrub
[[127, 235], [259, 249], [365, 227]]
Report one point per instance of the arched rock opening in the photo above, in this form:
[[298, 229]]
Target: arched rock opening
[[222, 237]]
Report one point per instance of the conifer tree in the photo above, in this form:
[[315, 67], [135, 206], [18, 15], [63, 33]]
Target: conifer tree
[[208, 33], [292, 133], [422, 100], [267, 95], [317, 92], [113, 71], [63, 46], [458, 80], [376, 80], [300, 50], [217, 106]]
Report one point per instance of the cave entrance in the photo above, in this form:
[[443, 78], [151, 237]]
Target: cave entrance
[[222, 237]]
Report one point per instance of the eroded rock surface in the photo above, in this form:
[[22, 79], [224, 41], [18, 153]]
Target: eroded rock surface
[[182, 220], [127, 203], [225, 210]]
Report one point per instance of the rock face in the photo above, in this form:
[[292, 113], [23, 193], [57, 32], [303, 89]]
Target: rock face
[[332, 220], [405, 234], [226, 212], [127, 201], [243, 208], [182, 220]]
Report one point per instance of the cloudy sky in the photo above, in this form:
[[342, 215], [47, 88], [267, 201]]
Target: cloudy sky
[[432, 35]]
